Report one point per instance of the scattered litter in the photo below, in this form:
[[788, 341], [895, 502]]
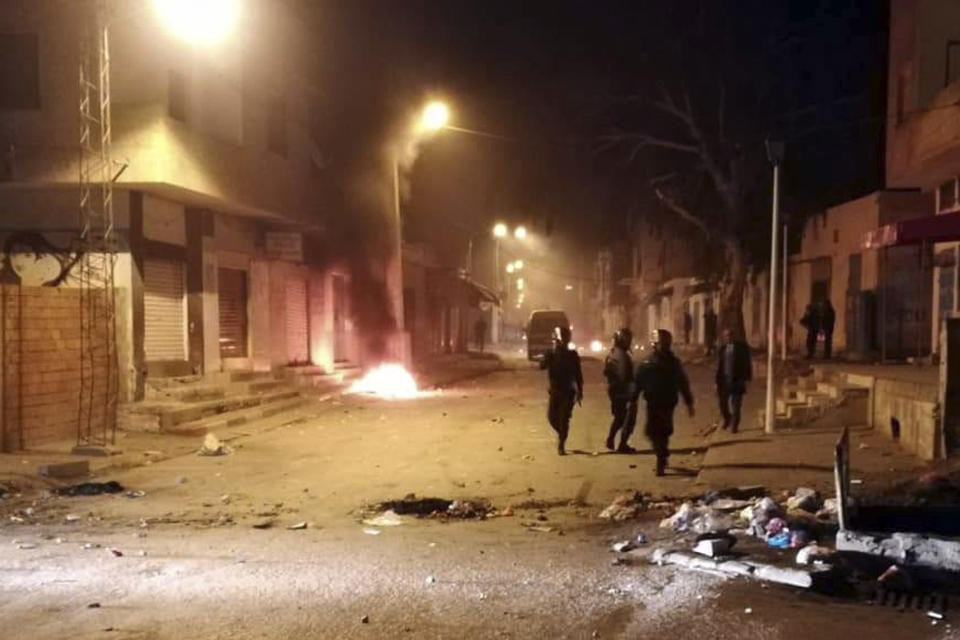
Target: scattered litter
[[89, 489], [91, 545], [263, 524], [810, 552], [116, 553], [388, 518], [365, 620], [936, 615], [93, 605], [527, 458], [71, 517], [641, 538], [135, 494], [297, 526], [713, 545], [430, 580], [779, 540], [804, 498], [748, 610], [153, 454], [624, 507], [372, 532], [538, 528], [180, 480], [213, 447], [856, 481], [26, 545], [623, 546]]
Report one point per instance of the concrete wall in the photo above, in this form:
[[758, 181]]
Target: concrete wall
[[913, 405]]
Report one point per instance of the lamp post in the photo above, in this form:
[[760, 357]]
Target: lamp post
[[775, 155]]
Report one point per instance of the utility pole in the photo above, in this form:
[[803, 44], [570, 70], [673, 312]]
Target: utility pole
[[783, 305], [775, 155]]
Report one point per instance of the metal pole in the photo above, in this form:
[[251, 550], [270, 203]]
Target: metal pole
[[783, 305], [469, 265], [771, 320], [398, 221]]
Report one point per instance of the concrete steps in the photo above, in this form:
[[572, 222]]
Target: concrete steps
[[819, 400]]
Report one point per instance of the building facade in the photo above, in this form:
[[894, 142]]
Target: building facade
[[218, 204]]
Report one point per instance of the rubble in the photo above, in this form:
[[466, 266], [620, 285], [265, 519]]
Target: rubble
[[712, 545], [388, 518], [812, 552], [89, 489], [213, 447], [805, 499], [624, 507]]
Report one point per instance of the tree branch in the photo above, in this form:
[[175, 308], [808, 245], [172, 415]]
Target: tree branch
[[681, 211], [642, 140]]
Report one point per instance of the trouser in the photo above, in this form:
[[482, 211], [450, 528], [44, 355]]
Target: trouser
[[559, 411], [811, 343], [827, 344], [624, 420], [731, 402], [659, 428]]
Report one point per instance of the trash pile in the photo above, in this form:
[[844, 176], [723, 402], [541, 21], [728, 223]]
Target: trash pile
[[625, 506], [439, 508], [89, 489], [212, 446]]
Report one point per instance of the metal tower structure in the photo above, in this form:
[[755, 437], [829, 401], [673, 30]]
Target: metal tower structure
[[99, 378]]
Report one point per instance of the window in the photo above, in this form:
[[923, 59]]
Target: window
[[177, 96], [277, 126], [19, 71], [947, 196]]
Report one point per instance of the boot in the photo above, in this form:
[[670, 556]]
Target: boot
[[610, 442], [560, 448]]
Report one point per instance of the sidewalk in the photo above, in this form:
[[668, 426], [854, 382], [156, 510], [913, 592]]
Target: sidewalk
[[802, 457]]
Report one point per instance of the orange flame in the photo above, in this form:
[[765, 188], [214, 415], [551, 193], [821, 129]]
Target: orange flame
[[388, 380]]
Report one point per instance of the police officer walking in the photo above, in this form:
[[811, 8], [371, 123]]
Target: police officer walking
[[621, 389], [662, 381], [566, 384]]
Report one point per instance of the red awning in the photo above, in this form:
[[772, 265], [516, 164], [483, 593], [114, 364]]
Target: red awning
[[930, 229]]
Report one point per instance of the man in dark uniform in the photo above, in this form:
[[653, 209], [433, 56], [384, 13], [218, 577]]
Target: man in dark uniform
[[734, 371], [828, 317], [566, 384], [710, 330], [811, 322], [662, 381], [618, 370]]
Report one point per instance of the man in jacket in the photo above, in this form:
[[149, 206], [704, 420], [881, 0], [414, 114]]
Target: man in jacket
[[662, 381], [734, 371], [566, 384], [618, 370], [811, 322]]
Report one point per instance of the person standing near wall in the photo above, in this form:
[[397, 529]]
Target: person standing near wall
[[710, 330], [828, 318], [811, 322], [734, 371]]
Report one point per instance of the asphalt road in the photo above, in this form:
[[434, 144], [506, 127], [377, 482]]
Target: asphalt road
[[194, 566]]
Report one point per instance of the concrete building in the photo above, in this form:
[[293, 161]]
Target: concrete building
[[880, 309], [219, 207], [923, 148]]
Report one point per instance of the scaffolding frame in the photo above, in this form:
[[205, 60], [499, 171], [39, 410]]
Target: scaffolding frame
[[97, 245]]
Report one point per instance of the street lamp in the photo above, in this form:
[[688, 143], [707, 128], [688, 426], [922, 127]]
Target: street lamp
[[520, 232], [500, 230], [510, 268], [775, 155], [203, 21], [518, 264], [435, 116]]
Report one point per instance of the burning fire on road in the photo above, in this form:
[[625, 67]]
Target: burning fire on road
[[391, 381]]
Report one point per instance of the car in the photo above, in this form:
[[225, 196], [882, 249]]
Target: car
[[540, 329]]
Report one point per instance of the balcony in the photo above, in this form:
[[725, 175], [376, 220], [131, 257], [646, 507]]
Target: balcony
[[924, 150]]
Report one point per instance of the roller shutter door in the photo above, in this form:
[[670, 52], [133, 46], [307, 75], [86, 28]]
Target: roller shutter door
[[232, 294], [164, 312], [296, 313]]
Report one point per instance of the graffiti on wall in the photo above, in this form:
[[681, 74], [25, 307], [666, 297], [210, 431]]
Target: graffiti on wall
[[30, 260]]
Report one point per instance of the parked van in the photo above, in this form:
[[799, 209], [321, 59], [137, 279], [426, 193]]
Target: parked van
[[540, 331]]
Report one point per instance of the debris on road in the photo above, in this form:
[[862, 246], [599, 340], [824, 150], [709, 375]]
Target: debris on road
[[713, 545], [135, 494], [89, 489], [298, 526], [372, 532], [365, 620], [388, 518], [263, 524], [213, 447], [623, 546], [116, 553], [624, 507], [805, 499], [435, 508], [430, 580]]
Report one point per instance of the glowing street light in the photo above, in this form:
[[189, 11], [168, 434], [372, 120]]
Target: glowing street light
[[520, 232], [510, 268], [518, 264], [500, 230], [435, 116], [199, 21], [519, 284]]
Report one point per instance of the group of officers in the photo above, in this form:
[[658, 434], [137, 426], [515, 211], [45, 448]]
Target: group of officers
[[660, 379]]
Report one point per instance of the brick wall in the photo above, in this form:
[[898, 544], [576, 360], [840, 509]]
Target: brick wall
[[41, 337]]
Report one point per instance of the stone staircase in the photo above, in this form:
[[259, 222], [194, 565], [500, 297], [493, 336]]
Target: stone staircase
[[198, 404], [822, 398]]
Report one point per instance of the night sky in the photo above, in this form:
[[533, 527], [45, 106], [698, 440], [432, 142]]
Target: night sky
[[555, 78]]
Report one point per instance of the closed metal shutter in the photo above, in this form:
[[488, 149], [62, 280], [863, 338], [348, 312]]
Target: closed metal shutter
[[296, 299], [164, 313], [232, 294]]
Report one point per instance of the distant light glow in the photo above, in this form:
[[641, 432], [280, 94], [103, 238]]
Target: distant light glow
[[518, 264], [569, 287], [572, 346], [199, 21], [596, 346], [500, 230], [520, 232], [510, 268], [520, 284], [435, 116]]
